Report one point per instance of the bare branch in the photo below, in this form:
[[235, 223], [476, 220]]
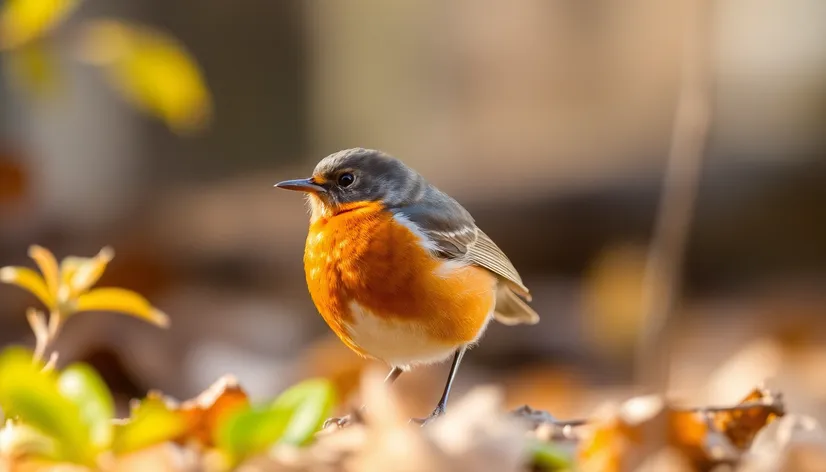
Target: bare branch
[[673, 221]]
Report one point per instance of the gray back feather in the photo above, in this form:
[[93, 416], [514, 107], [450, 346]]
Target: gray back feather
[[452, 229]]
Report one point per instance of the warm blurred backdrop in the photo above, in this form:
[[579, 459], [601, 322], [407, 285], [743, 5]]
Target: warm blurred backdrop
[[550, 121]]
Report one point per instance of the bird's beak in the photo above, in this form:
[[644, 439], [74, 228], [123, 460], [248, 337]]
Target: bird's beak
[[302, 185]]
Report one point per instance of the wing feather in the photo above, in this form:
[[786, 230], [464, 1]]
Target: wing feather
[[455, 235]]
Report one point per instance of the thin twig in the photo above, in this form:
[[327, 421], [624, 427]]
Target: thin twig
[[543, 417], [676, 208], [45, 333], [37, 321]]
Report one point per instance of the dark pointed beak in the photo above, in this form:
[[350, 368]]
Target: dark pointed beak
[[302, 185]]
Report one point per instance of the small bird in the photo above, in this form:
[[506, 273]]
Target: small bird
[[398, 269]]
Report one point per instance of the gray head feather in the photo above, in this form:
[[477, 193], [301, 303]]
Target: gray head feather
[[377, 177]]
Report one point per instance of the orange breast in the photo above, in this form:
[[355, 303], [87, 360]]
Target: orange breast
[[363, 257]]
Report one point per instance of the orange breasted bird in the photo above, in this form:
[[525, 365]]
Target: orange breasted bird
[[398, 269]]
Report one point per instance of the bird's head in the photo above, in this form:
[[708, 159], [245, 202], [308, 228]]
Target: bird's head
[[352, 178]]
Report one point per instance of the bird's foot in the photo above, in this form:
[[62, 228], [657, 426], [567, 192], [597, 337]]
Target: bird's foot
[[339, 421], [439, 411], [342, 421]]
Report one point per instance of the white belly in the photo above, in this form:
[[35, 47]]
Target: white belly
[[396, 342]]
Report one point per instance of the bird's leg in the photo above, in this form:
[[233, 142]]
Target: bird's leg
[[441, 407], [393, 375], [347, 419]]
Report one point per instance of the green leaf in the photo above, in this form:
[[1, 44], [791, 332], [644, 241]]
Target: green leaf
[[151, 422], [306, 406], [33, 397], [293, 418], [249, 431], [83, 386], [549, 458]]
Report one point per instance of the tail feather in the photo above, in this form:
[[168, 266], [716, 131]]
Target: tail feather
[[511, 310]]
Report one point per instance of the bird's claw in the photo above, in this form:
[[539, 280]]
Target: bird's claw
[[439, 411], [340, 422], [355, 417]]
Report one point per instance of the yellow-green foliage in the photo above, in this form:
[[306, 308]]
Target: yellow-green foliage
[[67, 416], [149, 68]]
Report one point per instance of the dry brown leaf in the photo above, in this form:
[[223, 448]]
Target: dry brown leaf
[[194, 421], [741, 425], [620, 438], [781, 441], [689, 433], [475, 436], [206, 411], [629, 435]]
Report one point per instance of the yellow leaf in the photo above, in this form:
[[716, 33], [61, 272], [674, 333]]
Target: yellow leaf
[[24, 20], [88, 271], [152, 70], [151, 422], [28, 279], [122, 301], [47, 264]]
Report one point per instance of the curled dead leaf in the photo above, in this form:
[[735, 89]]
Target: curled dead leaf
[[205, 412], [756, 410], [158, 419], [628, 435]]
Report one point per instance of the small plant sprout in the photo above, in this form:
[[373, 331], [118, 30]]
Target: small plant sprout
[[66, 289]]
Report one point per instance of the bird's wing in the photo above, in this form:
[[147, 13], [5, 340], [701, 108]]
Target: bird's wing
[[451, 229]]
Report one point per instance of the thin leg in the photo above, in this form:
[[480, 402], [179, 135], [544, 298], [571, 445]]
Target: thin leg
[[345, 420], [393, 375], [441, 407]]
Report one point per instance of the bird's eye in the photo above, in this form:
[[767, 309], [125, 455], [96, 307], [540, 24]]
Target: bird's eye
[[346, 179]]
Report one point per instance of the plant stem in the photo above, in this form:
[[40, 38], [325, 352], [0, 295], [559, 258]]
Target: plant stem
[[45, 334]]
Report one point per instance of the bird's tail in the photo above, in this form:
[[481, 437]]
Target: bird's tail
[[511, 309]]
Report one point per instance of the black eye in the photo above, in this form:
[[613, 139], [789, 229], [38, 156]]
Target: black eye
[[346, 179]]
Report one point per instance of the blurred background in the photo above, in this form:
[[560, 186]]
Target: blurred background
[[550, 121]]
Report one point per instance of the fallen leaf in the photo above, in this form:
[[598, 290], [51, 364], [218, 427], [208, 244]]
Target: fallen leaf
[[152, 421], [774, 444], [627, 436], [741, 425], [205, 413], [292, 419]]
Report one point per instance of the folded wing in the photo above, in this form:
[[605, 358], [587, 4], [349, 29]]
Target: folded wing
[[453, 232]]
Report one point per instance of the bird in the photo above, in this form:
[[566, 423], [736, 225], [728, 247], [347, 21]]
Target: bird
[[398, 269]]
